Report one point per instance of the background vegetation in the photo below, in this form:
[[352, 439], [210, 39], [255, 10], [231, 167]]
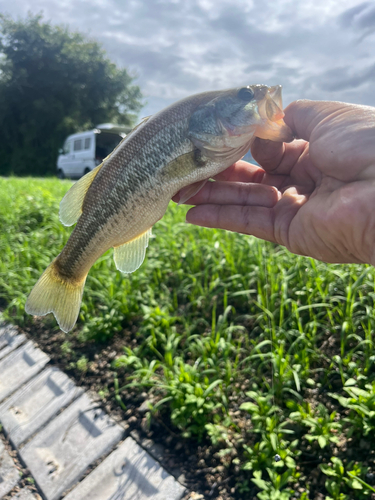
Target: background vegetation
[[54, 82], [241, 347]]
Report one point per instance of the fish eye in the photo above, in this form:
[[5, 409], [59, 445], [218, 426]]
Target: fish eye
[[245, 94]]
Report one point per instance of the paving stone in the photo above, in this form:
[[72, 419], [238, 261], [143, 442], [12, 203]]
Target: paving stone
[[25, 494], [19, 367], [128, 473], [9, 339], [9, 475], [35, 403], [59, 454], [154, 449]]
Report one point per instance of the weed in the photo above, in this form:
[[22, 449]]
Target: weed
[[219, 321], [322, 425], [361, 402], [273, 489], [82, 364], [342, 480]]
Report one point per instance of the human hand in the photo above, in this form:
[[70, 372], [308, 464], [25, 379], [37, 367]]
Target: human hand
[[315, 196]]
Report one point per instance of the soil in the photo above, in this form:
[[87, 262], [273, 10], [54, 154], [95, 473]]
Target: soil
[[26, 481]]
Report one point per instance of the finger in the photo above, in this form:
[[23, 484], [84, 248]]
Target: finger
[[303, 116], [341, 136], [257, 221], [277, 157], [236, 193], [241, 171]]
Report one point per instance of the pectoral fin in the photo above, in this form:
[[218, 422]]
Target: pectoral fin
[[129, 256], [189, 191], [71, 204]]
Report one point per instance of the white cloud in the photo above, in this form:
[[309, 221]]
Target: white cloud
[[319, 49]]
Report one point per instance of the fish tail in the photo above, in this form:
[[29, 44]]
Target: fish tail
[[54, 293]]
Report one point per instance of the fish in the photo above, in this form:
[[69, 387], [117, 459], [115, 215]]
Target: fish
[[116, 204]]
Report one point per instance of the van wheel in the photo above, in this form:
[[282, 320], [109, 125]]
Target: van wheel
[[87, 170], [60, 174]]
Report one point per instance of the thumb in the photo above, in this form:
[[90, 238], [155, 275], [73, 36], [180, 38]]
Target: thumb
[[303, 117]]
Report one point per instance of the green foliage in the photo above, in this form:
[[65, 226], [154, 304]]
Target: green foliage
[[192, 396], [66, 348], [54, 82], [82, 364], [219, 434], [229, 336], [273, 489], [323, 427], [262, 412], [342, 480], [269, 428], [361, 402], [260, 456]]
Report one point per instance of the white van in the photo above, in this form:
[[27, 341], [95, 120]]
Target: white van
[[84, 151]]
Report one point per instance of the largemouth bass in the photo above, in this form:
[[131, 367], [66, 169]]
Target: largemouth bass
[[118, 202]]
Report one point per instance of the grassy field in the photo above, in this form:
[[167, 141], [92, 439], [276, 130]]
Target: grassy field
[[242, 347]]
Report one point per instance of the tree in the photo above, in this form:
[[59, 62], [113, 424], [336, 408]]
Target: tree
[[54, 82]]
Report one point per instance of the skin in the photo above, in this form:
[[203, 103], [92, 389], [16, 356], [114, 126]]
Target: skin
[[315, 196]]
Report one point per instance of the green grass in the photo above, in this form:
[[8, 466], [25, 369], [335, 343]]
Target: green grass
[[238, 341]]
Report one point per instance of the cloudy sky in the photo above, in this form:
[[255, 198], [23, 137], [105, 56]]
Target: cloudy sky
[[317, 49]]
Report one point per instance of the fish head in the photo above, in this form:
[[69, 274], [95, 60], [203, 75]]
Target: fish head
[[232, 119]]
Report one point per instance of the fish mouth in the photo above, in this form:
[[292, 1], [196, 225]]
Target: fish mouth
[[270, 108], [274, 93], [270, 99], [274, 103]]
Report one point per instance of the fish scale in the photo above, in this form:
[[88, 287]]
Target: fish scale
[[117, 203]]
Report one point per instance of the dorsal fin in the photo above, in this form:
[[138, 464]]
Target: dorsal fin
[[144, 120], [71, 204]]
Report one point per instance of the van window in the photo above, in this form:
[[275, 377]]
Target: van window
[[105, 144], [88, 143], [77, 145], [66, 147]]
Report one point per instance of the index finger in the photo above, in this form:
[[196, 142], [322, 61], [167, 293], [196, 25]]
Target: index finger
[[277, 157], [241, 171]]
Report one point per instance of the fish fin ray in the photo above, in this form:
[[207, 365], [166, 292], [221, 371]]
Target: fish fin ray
[[189, 191], [144, 120], [71, 204], [229, 154], [223, 152], [130, 256], [55, 294]]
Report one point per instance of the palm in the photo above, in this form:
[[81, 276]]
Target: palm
[[315, 195], [325, 223]]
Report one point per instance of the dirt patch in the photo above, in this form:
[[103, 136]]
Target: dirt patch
[[26, 480]]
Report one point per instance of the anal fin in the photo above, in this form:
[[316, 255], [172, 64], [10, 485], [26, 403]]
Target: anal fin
[[129, 256]]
